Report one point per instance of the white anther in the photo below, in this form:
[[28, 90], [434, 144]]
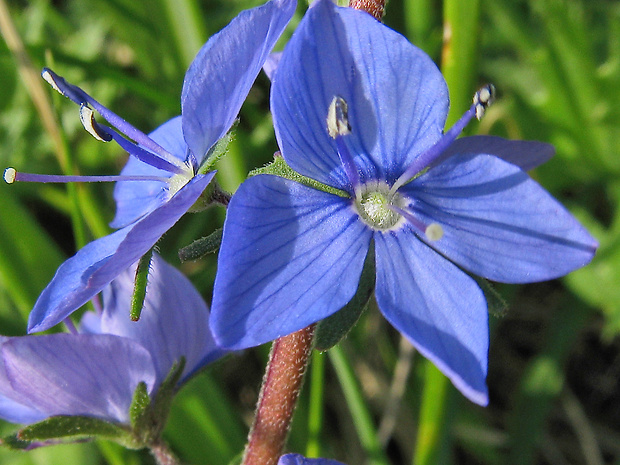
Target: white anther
[[434, 232], [51, 81], [9, 175], [88, 121], [483, 99], [338, 118]]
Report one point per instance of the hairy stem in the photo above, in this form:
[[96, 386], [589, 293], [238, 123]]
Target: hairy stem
[[276, 404], [375, 8], [162, 454]]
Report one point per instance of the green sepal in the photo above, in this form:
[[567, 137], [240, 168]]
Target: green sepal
[[139, 287], [212, 195], [140, 409], [69, 429], [217, 151], [279, 167], [201, 247], [163, 398], [496, 304], [331, 330]]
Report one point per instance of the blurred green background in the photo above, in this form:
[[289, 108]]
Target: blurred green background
[[555, 351]]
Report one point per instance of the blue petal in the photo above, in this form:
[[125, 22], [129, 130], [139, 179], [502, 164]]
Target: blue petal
[[15, 412], [82, 276], [440, 309], [297, 459], [134, 199], [397, 98], [224, 70], [174, 320], [290, 256], [271, 64], [526, 154], [68, 374], [497, 222], [14, 405]]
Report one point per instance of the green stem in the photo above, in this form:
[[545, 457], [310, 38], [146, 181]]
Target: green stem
[[362, 418], [315, 415]]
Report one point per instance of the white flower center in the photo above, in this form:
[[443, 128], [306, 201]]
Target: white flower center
[[373, 206], [177, 181]]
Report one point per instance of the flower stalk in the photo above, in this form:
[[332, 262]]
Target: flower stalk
[[162, 454], [278, 397], [375, 8]]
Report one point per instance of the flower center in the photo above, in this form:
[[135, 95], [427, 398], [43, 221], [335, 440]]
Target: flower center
[[376, 206]]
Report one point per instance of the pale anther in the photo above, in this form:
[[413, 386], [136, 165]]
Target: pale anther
[[50, 80], [483, 99], [87, 118], [9, 175], [338, 118], [433, 232]]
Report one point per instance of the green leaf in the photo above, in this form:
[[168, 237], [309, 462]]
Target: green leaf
[[28, 257]]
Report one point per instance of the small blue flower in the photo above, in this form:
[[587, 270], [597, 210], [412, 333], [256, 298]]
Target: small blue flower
[[96, 371], [161, 180], [296, 459], [358, 108]]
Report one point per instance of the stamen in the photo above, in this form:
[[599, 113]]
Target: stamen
[[337, 127], [433, 231], [338, 118], [483, 99], [144, 155], [11, 176], [92, 127], [80, 97], [432, 156]]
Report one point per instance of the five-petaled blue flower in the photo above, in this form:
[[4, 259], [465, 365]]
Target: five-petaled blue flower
[[358, 108], [95, 371], [161, 180]]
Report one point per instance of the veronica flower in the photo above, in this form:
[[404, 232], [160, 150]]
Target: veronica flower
[[163, 177], [94, 372], [296, 459], [361, 111]]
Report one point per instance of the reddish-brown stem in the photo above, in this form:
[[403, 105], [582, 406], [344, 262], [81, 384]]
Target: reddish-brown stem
[[373, 7], [281, 387], [162, 454]]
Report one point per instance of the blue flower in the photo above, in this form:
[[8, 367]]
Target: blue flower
[[296, 459], [96, 371], [359, 109], [163, 171]]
